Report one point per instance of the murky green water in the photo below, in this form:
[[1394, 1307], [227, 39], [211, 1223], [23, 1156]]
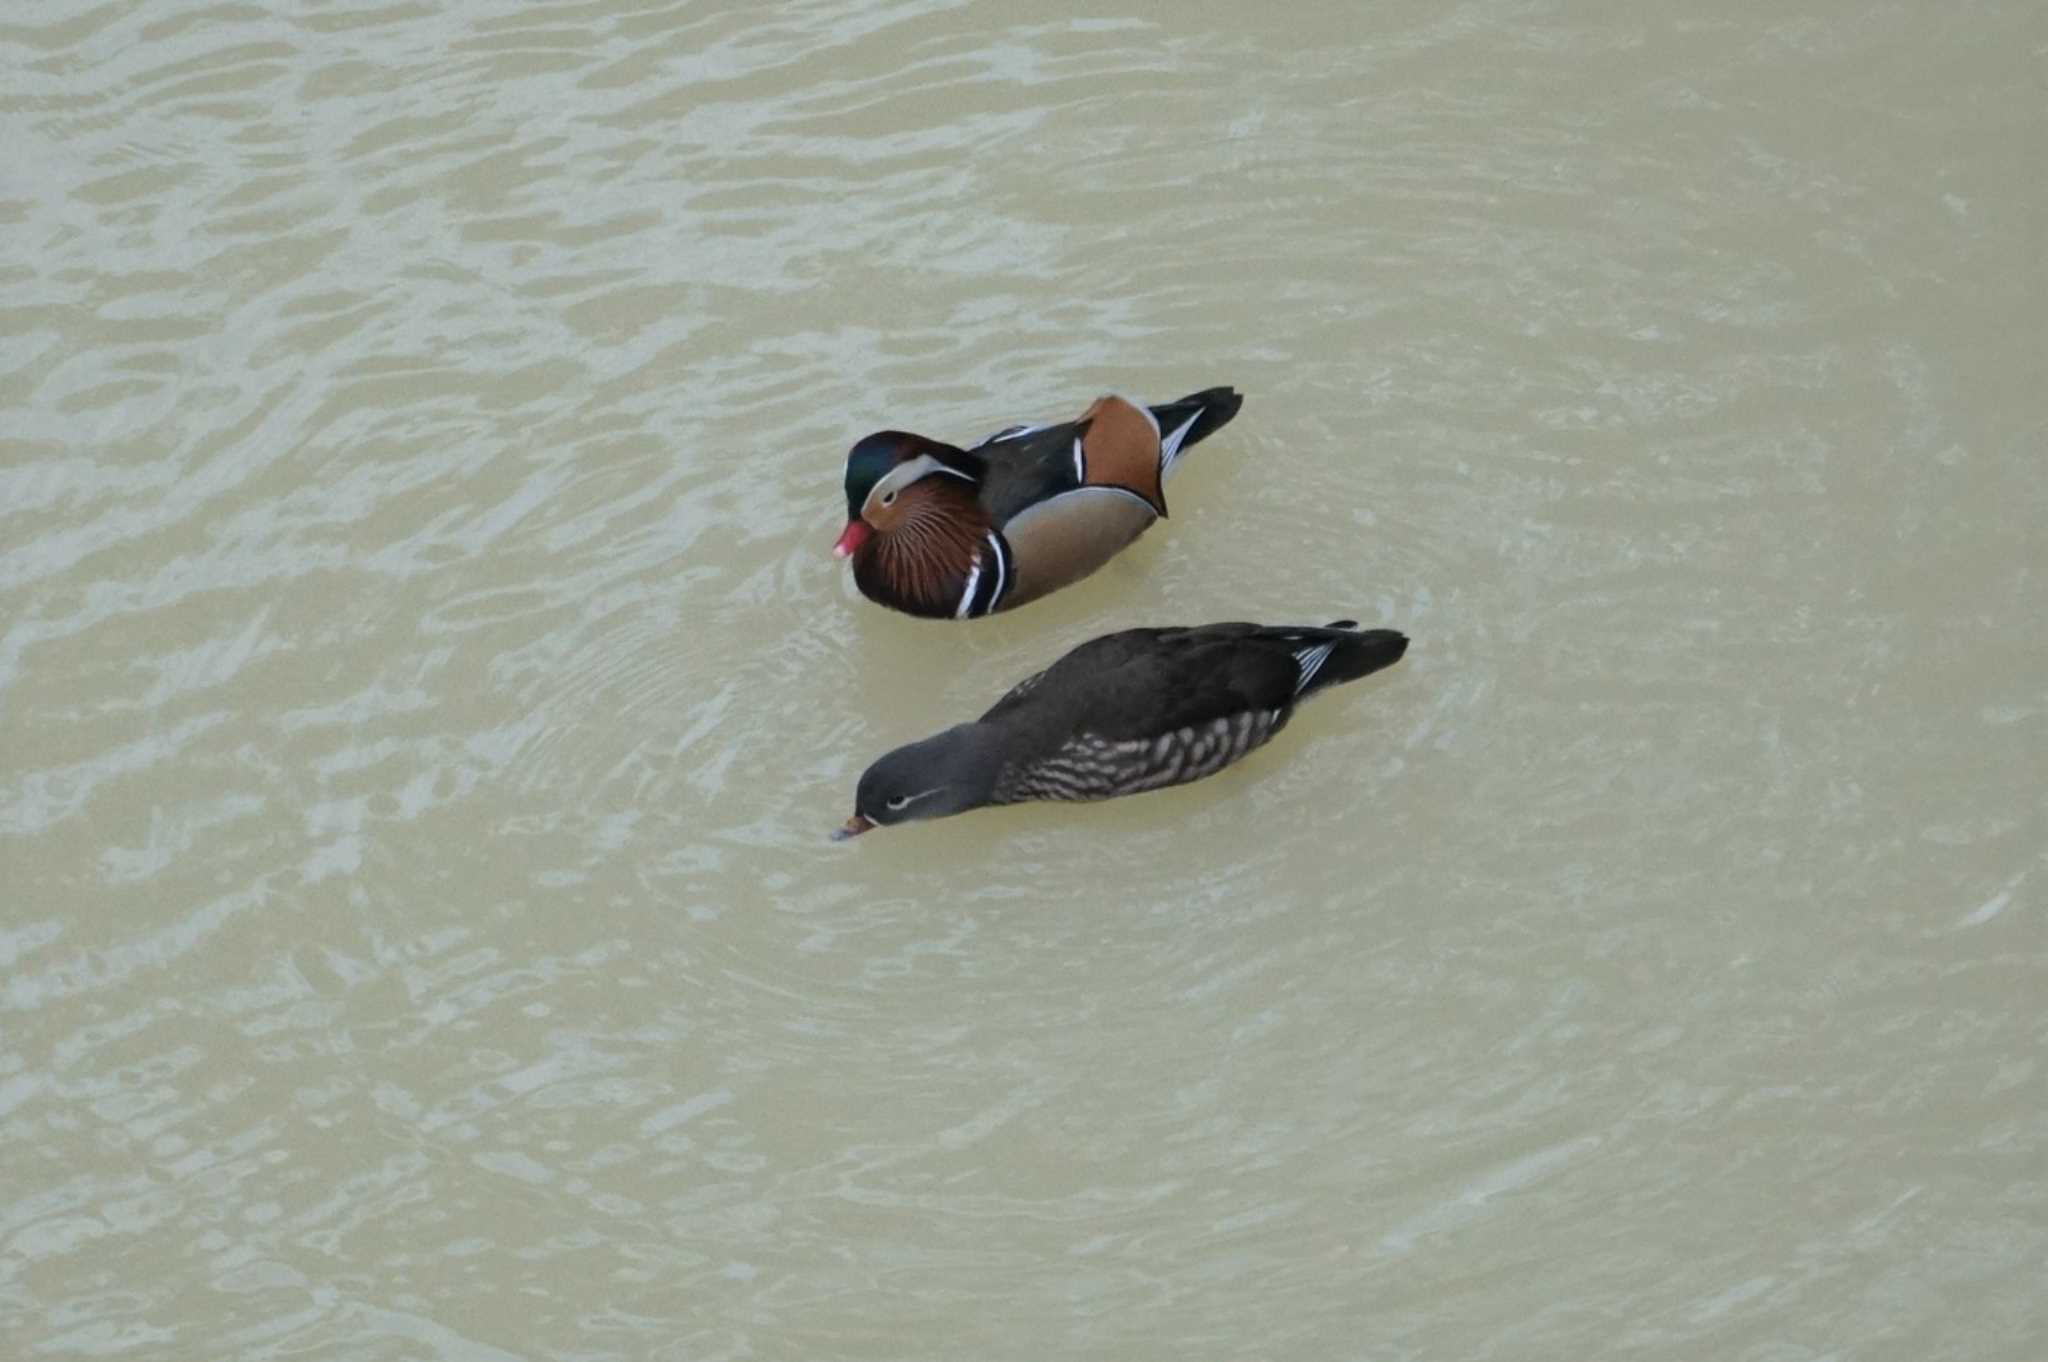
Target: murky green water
[[425, 687]]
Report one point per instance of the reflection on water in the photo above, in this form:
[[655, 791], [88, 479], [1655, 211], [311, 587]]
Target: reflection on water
[[425, 686]]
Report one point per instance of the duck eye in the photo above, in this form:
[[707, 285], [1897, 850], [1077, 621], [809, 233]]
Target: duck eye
[[899, 803], [889, 498]]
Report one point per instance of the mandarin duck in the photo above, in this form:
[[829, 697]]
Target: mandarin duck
[[1126, 712], [952, 533]]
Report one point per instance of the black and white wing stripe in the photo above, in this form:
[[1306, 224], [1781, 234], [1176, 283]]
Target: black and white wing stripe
[[988, 580], [1170, 441], [1310, 660]]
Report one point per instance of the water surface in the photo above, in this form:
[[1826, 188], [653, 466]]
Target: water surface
[[425, 687]]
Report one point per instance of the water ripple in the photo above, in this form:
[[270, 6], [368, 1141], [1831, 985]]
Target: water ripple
[[425, 688]]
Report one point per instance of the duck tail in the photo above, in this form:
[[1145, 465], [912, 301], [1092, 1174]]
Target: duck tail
[[1191, 420], [1341, 652]]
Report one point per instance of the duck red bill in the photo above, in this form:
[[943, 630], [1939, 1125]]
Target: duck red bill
[[853, 827], [851, 538]]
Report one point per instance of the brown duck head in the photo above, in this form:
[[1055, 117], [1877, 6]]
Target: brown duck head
[[914, 521]]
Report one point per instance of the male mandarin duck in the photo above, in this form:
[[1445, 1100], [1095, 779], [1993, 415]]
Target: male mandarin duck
[[1130, 711], [954, 533]]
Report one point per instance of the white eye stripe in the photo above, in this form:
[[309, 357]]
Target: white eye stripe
[[904, 474], [902, 802]]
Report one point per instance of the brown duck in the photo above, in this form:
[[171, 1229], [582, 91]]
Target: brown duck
[[1126, 712], [953, 533]]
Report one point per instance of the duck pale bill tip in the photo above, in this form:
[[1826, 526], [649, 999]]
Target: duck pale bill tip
[[851, 538], [853, 827]]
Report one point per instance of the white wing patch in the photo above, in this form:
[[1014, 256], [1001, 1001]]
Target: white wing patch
[[1311, 661], [1169, 445]]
